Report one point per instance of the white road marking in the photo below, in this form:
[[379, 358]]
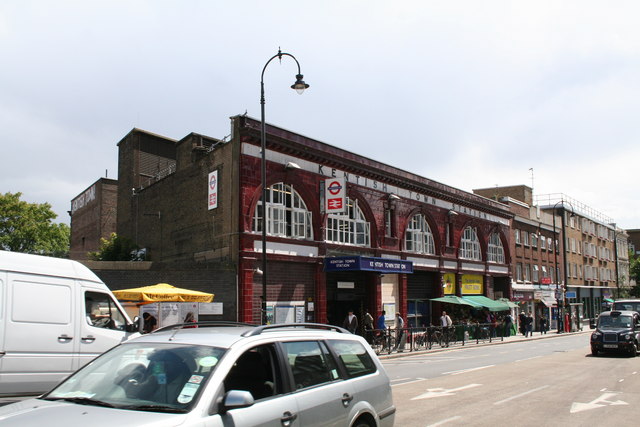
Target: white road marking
[[417, 380], [400, 379], [439, 392], [621, 380], [528, 358], [597, 403], [463, 371], [520, 395], [443, 422]]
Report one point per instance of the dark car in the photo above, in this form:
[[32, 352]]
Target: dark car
[[616, 331]]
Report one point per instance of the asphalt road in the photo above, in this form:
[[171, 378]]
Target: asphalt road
[[542, 382]]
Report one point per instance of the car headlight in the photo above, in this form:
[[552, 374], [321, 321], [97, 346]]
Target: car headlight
[[627, 337], [594, 336]]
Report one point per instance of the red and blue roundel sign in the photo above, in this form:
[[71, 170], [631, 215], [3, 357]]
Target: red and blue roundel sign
[[334, 188]]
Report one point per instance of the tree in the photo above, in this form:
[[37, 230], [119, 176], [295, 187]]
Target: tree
[[117, 248], [29, 228], [634, 274]]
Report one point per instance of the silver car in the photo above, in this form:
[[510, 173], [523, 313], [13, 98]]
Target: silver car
[[222, 374]]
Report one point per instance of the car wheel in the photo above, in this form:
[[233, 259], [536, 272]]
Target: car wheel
[[594, 351], [362, 423], [633, 351]]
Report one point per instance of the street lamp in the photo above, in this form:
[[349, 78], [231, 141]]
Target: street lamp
[[299, 86], [560, 312]]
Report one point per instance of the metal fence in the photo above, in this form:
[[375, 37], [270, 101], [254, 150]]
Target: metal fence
[[387, 341]]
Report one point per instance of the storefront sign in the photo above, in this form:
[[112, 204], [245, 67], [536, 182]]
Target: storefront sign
[[449, 284], [522, 296], [362, 263], [335, 195], [213, 190], [471, 284]]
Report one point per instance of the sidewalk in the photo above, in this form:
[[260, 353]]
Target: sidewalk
[[472, 343]]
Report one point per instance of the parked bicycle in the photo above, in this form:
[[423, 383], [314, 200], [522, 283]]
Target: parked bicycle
[[382, 341]]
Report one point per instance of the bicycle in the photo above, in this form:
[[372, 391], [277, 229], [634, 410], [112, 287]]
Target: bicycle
[[381, 342]]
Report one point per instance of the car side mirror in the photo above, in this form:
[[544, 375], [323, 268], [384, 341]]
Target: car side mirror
[[235, 399]]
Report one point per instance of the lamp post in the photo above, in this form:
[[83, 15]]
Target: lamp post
[[299, 86], [559, 291]]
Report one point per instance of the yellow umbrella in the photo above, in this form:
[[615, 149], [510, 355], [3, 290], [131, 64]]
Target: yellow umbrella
[[162, 292]]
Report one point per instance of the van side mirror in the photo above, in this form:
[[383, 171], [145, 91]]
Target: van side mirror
[[136, 326]]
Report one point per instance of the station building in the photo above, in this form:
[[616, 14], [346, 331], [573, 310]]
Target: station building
[[343, 231]]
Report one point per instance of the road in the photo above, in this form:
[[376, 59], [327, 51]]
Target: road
[[546, 382]]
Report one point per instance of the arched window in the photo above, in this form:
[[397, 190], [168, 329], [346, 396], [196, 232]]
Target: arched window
[[495, 251], [351, 228], [418, 237], [470, 245], [287, 214]]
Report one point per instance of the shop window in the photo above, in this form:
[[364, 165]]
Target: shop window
[[418, 236], [470, 245], [287, 214], [351, 229], [495, 251]]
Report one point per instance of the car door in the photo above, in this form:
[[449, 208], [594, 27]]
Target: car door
[[323, 397], [100, 326], [259, 371]]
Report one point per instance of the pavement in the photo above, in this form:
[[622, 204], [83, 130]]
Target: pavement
[[494, 341]]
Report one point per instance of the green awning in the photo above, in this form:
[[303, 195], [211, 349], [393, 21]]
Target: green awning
[[509, 303], [452, 299], [487, 302]]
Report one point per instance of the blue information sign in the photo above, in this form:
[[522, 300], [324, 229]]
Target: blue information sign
[[363, 263], [570, 294]]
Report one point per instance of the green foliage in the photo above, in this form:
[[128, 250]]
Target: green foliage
[[634, 274], [29, 228], [117, 248]]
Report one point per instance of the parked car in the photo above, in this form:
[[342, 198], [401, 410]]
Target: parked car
[[617, 331], [222, 373], [55, 316]]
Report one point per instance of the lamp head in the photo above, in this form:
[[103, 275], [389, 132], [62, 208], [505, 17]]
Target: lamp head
[[299, 85]]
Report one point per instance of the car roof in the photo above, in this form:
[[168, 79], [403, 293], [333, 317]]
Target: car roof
[[226, 334], [622, 312]]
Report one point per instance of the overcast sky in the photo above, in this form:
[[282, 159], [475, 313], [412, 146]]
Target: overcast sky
[[473, 94]]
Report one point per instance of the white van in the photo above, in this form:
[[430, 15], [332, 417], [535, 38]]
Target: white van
[[55, 316]]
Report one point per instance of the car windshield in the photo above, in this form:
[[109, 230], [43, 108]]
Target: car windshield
[[615, 322], [626, 305], [142, 376]]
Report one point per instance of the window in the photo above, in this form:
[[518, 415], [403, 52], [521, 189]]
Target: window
[[527, 272], [310, 363], [544, 271], [525, 238], [543, 242], [287, 214], [517, 237], [257, 372], [519, 272], [536, 274], [102, 311], [418, 237], [351, 228], [495, 252], [470, 245], [534, 240], [354, 357], [388, 231]]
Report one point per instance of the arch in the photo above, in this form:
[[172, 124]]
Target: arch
[[288, 215], [469, 247], [352, 229], [418, 236]]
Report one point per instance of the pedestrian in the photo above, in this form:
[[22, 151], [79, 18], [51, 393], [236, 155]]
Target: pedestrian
[[381, 323], [522, 323], [350, 322], [529, 325], [543, 325], [445, 323], [150, 322], [401, 337], [367, 322], [508, 323]]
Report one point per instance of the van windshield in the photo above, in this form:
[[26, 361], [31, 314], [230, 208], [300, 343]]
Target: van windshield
[[142, 376]]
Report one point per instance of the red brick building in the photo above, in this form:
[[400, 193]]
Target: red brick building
[[195, 205]]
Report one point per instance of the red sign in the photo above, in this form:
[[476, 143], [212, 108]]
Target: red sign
[[335, 195], [545, 280]]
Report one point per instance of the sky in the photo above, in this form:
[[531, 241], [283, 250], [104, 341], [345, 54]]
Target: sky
[[473, 94]]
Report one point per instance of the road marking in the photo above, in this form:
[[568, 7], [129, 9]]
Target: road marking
[[464, 371], [597, 403], [621, 380], [520, 395], [400, 379], [439, 423], [439, 392], [528, 358], [417, 380]]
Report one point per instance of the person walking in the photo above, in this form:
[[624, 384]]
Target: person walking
[[522, 323], [381, 322], [445, 324], [508, 323], [543, 325], [367, 322], [350, 322], [401, 337], [529, 325]]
